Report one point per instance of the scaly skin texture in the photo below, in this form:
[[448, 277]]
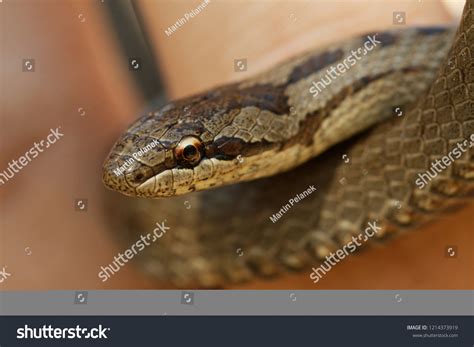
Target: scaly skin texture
[[378, 182], [277, 120]]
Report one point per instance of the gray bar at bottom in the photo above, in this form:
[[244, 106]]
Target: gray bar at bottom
[[236, 302]]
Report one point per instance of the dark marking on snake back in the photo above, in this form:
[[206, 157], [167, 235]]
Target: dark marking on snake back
[[325, 59], [386, 38], [431, 30], [228, 148], [314, 64], [206, 106]]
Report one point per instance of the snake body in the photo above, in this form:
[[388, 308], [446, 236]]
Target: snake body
[[262, 141]]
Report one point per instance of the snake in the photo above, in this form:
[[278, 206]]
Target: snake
[[273, 173]]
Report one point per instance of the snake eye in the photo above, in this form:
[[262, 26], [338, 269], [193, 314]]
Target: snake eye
[[189, 150]]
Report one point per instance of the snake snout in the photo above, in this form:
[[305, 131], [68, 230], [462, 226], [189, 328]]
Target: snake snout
[[124, 174]]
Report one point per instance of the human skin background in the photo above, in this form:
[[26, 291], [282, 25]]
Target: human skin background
[[78, 65]]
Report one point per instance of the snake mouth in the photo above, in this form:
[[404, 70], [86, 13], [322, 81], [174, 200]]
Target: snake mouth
[[158, 186], [178, 181]]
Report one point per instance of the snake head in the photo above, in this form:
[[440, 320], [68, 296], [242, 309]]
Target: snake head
[[190, 145]]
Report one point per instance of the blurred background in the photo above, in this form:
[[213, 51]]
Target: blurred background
[[91, 66]]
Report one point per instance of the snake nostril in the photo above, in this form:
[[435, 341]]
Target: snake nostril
[[139, 177]]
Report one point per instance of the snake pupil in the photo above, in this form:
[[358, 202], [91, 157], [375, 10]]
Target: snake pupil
[[189, 152]]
